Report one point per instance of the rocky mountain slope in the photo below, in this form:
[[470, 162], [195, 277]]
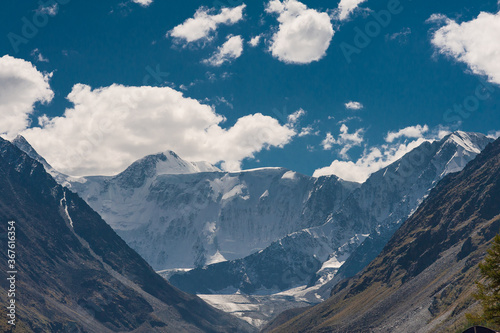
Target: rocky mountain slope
[[74, 274], [424, 277], [368, 217]]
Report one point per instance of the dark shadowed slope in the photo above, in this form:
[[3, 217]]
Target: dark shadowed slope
[[75, 274], [423, 279]]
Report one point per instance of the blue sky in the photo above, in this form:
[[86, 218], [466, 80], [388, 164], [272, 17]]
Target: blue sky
[[401, 78]]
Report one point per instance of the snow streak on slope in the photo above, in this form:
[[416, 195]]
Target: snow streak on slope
[[64, 204]]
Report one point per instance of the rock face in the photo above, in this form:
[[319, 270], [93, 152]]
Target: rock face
[[424, 277], [355, 231], [75, 274]]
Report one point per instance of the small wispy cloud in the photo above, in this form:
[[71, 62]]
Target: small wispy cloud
[[353, 105], [205, 22], [413, 132], [401, 36], [38, 56], [143, 3], [348, 119], [494, 134], [345, 139], [308, 130], [49, 10], [254, 41], [294, 117], [232, 49]]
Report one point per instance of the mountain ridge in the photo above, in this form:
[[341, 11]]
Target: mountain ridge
[[375, 209], [424, 278]]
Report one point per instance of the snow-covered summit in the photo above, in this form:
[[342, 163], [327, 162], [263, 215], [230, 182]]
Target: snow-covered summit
[[469, 141], [21, 143], [166, 163], [457, 149], [169, 163]]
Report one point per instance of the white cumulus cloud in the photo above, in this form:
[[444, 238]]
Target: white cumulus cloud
[[21, 86], [346, 7], [205, 22], [475, 43], [414, 132], [230, 50], [303, 35], [109, 128]]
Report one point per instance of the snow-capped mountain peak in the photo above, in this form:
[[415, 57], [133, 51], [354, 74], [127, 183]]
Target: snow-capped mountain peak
[[469, 141], [21, 143], [166, 163], [169, 163], [65, 180], [457, 149]]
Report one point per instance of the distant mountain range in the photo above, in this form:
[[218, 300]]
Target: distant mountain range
[[359, 227], [424, 278], [74, 274], [266, 230]]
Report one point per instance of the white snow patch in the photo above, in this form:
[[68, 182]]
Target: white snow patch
[[65, 205], [259, 169], [332, 263], [256, 310], [235, 192], [463, 140], [174, 165], [289, 175], [167, 273], [216, 258], [211, 227]]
